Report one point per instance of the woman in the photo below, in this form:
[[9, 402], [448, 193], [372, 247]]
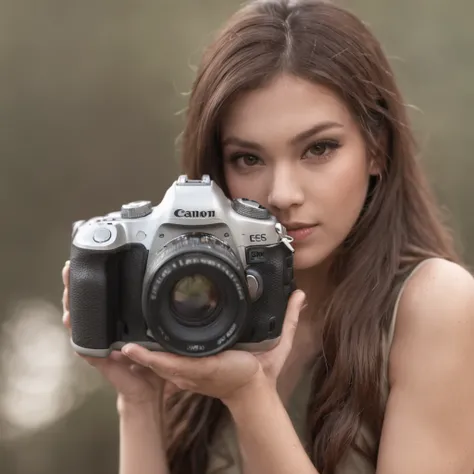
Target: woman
[[295, 106]]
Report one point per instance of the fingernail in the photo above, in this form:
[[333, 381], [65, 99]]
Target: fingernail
[[303, 296], [126, 349]]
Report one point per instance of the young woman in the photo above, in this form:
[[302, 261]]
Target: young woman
[[295, 106]]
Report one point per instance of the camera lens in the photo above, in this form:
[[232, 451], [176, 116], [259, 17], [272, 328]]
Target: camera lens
[[194, 299]]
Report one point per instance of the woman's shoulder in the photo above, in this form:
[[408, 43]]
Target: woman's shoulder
[[431, 381], [435, 314], [436, 286]]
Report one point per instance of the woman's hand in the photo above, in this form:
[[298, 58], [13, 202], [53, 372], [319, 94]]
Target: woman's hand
[[135, 384], [225, 374]]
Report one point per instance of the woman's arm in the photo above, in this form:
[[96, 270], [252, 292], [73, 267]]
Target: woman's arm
[[268, 442], [141, 441], [429, 419]]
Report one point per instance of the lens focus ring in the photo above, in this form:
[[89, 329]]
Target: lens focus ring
[[196, 299]]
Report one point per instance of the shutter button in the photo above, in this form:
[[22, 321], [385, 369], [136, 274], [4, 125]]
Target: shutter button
[[102, 235]]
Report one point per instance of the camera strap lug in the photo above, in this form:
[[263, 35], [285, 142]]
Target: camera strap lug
[[286, 239]]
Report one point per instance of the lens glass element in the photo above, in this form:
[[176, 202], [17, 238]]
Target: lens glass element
[[194, 299]]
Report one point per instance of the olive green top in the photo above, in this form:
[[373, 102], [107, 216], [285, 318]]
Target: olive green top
[[225, 456]]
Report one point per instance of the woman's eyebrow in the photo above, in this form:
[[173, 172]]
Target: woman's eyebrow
[[318, 128]]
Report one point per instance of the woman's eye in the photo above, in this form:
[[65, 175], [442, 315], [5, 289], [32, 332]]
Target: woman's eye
[[322, 149], [245, 160]]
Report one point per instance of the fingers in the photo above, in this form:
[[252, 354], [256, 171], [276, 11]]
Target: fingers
[[115, 357], [175, 368], [65, 300], [138, 369], [67, 320], [65, 277], [151, 377], [65, 273], [295, 304]]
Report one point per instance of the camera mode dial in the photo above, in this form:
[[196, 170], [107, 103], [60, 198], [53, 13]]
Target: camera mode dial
[[136, 209], [249, 208]]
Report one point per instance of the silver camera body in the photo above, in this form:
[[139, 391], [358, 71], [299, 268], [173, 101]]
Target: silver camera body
[[194, 275]]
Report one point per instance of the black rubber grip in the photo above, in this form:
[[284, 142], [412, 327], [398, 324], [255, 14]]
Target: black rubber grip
[[89, 300], [268, 312]]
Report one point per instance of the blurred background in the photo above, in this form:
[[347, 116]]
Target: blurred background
[[91, 95]]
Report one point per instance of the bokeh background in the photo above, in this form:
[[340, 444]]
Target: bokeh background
[[91, 101]]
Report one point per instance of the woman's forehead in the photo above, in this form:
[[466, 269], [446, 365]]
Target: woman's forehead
[[286, 105]]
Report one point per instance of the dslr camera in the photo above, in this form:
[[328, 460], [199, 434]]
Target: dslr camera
[[194, 275]]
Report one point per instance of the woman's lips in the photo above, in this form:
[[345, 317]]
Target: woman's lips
[[301, 234]]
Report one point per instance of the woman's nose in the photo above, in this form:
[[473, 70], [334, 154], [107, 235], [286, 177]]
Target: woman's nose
[[286, 190]]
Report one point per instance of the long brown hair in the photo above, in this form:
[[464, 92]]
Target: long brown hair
[[398, 227]]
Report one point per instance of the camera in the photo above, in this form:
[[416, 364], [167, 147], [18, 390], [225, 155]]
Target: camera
[[194, 275]]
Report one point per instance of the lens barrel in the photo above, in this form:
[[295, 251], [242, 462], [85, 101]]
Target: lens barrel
[[196, 299]]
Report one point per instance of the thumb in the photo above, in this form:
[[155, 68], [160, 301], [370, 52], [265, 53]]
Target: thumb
[[295, 304]]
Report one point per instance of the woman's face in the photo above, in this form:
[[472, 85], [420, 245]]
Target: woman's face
[[294, 147]]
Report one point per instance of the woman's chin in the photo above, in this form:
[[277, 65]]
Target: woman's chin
[[309, 257]]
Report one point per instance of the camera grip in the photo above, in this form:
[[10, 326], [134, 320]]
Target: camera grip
[[278, 281], [88, 299]]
